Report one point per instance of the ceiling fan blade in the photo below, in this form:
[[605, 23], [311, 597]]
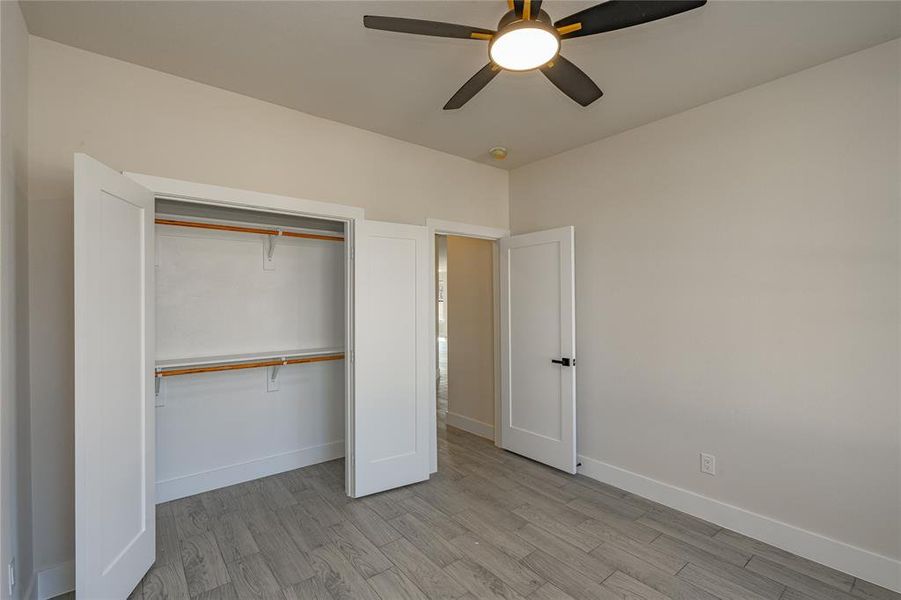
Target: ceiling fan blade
[[572, 81], [619, 14], [473, 86], [419, 27], [526, 9]]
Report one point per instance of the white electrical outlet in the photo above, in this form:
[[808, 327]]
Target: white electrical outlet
[[11, 576], [708, 464]]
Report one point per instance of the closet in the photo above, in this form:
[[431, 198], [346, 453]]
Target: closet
[[250, 332], [223, 335]]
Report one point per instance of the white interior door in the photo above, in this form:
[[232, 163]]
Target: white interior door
[[114, 418], [538, 346], [391, 358]]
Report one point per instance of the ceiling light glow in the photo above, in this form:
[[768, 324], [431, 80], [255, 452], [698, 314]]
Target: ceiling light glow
[[524, 48]]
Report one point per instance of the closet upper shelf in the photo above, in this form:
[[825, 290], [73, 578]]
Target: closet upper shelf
[[231, 359]]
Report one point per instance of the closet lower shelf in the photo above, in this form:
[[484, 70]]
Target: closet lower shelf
[[235, 362]]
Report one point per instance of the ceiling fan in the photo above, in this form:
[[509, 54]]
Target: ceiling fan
[[525, 39]]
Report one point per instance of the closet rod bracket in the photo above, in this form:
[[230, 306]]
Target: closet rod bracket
[[272, 384], [157, 385], [269, 264]]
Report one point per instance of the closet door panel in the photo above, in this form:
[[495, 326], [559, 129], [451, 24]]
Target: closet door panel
[[391, 361], [114, 418]]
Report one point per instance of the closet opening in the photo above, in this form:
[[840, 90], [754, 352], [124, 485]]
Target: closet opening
[[466, 344], [251, 377]]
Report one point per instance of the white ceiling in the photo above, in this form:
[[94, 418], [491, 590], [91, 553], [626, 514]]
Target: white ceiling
[[316, 57]]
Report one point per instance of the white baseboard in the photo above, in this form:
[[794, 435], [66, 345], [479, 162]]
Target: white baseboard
[[188, 485], [471, 425], [866, 565], [54, 581]]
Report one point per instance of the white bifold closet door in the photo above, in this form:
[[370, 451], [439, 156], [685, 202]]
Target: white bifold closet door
[[538, 345], [114, 409], [391, 360]]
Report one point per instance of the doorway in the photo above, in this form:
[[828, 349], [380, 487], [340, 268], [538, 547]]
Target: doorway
[[466, 340]]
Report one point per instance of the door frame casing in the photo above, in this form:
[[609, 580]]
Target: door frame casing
[[494, 234], [201, 193]]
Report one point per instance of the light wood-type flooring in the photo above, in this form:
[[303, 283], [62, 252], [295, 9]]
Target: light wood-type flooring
[[489, 524]]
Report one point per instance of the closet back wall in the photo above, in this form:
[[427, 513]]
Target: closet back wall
[[141, 120], [213, 298]]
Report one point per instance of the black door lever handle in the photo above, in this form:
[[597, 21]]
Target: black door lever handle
[[566, 362]]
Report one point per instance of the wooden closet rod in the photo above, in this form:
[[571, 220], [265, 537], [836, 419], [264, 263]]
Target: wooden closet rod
[[199, 225], [250, 365]]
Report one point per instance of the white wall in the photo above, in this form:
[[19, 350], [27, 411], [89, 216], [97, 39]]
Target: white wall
[[470, 335], [141, 120], [738, 293], [15, 484]]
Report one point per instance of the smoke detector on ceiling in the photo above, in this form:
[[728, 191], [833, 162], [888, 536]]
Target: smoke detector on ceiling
[[498, 153]]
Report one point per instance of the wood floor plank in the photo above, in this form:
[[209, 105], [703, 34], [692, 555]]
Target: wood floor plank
[[869, 591], [590, 566], [165, 582], [573, 582], [315, 506], [511, 571], [627, 587], [218, 503], [427, 576], [650, 575], [374, 527], [597, 502], [627, 527], [583, 487], [275, 494], [260, 520], [294, 481], [487, 492], [798, 581], [340, 578], [549, 591], [308, 589], [504, 538], [223, 592], [440, 521], [233, 537], [305, 531], [580, 538], [481, 582], [443, 496], [646, 552], [204, 567], [386, 504], [191, 517], [356, 548], [253, 579], [823, 573], [168, 548], [685, 521], [707, 543], [754, 583], [721, 587], [286, 561], [424, 537], [394, 585]]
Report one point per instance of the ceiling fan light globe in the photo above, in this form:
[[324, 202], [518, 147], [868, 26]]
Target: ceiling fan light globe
[[524, 46]]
